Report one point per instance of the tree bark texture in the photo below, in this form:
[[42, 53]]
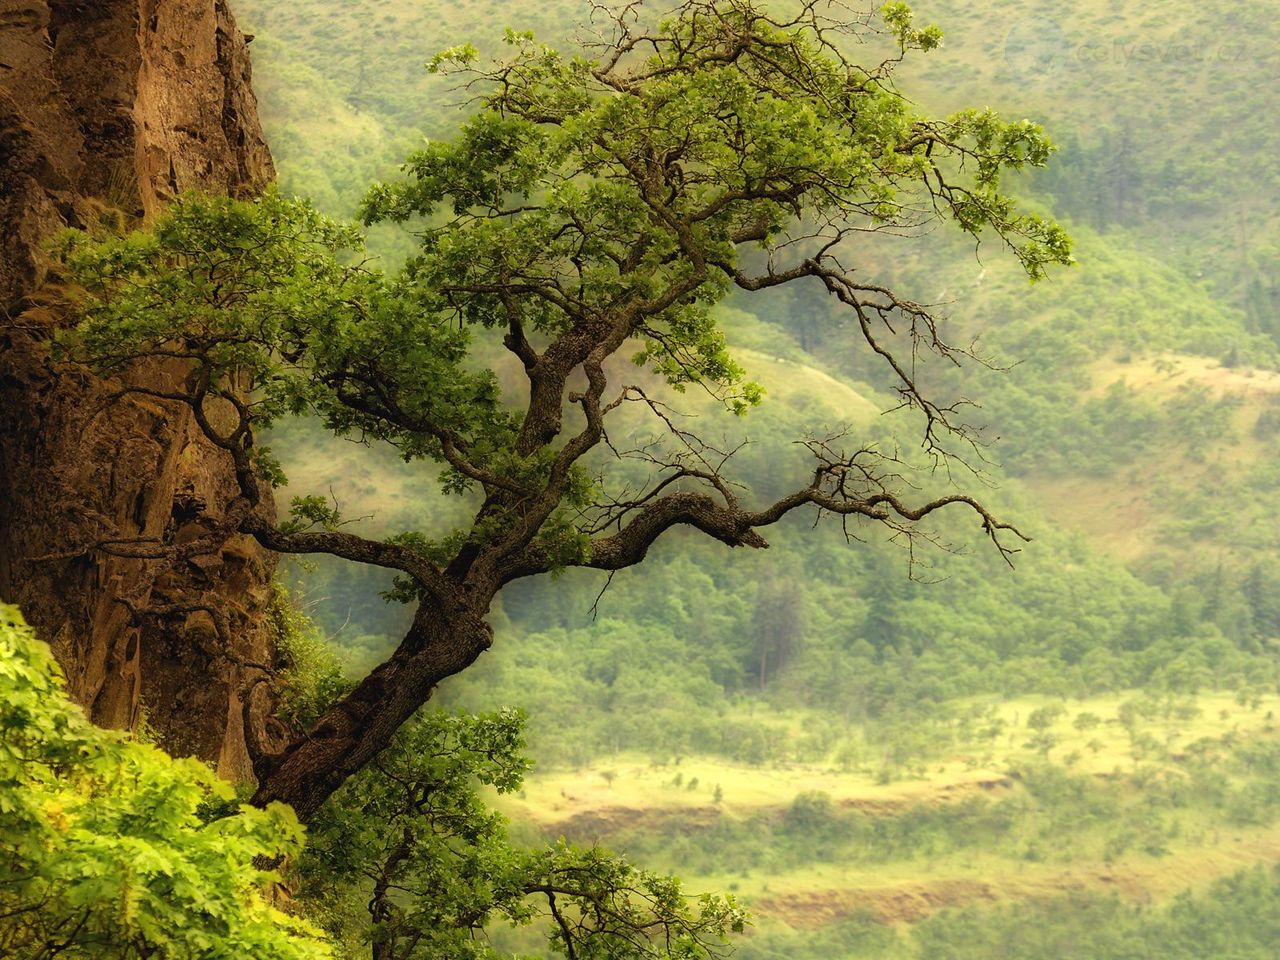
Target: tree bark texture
[[310, 769]]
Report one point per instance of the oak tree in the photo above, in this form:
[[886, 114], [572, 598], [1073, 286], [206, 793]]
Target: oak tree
[[595, 205]]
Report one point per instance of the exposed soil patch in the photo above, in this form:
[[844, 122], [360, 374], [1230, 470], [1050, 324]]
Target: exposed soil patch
[[590, 825], [907, 903], [943, 794]]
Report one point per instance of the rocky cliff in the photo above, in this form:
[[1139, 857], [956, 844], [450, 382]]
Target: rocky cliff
[[107, 109]]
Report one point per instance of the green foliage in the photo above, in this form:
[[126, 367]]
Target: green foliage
[[585, 204], [1235, 917], [408, 856], [1166, 132], [664, 668], [1044, 717], [312, 677], [261, 292], [214, 279], [312, 511], [898, 16], [1035, 812], [106, 845]]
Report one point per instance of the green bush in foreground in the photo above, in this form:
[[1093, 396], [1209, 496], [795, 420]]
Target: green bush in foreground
[[407, 861], [107, 846]]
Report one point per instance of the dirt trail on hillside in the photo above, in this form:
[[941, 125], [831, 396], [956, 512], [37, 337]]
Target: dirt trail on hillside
[[576, 818], [604, 821], [1140, 880]]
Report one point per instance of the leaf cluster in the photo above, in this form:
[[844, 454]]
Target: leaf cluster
[[106, 849], [270, 305], [412, 841]]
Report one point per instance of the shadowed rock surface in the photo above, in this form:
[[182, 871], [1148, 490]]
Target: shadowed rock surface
[[108, 108]]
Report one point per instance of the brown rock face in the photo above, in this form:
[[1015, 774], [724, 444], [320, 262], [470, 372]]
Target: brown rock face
[[119, 105]]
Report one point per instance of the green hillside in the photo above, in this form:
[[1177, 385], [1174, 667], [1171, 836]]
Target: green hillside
[[1162, 116]]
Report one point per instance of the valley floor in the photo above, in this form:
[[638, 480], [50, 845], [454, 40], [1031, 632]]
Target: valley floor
[[1127, 796]]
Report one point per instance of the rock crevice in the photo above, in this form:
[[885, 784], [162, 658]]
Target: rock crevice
[[108, 108]]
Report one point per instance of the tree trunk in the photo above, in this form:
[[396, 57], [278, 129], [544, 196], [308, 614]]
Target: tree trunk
[[351, 734]]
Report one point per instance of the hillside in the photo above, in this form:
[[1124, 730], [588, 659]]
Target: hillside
[[1165, 139], [1137, 799], [1206, 288]]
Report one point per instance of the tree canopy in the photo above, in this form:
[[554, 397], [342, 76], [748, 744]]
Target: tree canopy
[[595, 206]]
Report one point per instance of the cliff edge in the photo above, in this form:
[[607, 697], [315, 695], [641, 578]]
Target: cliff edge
[[110, 108]]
